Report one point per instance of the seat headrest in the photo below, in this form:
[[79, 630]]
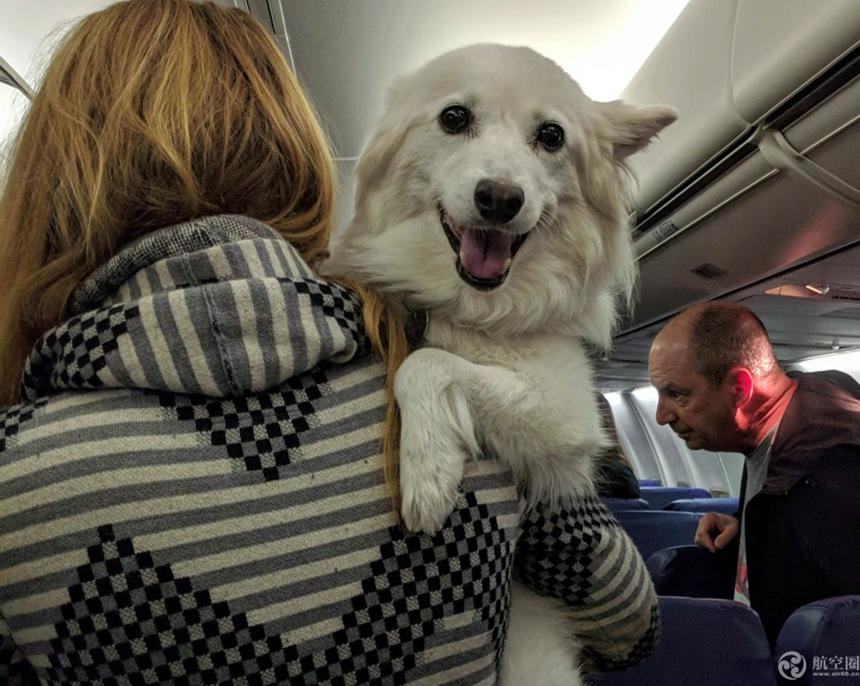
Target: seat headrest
[[659, 496], [689, 570], [706, 643], [652, 530], [824, 634], [724, 505]]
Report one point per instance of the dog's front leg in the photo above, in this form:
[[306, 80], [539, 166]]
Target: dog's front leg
[[448, 405], [538, 423], [437, 435]]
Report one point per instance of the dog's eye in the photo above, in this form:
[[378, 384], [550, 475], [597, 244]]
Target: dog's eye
[[455, 119], [550, 136]]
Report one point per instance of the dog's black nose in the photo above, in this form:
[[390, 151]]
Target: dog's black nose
[[498, 202]]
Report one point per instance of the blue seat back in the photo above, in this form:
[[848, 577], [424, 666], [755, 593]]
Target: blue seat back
[[703, 643], [616, 504], [652, 530], [817, 640], [725, 505], [659, 496], [688, 570], [649, 482]]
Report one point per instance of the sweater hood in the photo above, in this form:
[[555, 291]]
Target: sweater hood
[[220, 306]]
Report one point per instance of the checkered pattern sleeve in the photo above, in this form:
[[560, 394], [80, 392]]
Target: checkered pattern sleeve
[[582, 557], [14, 668]]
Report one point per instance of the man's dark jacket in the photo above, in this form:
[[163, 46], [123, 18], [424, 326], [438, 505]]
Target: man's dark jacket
[[803, 527]]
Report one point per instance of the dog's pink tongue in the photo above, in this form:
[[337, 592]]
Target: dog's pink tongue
[[485, 253]]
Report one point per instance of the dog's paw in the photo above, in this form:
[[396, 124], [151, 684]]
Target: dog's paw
[[427, 499], [436, 438]]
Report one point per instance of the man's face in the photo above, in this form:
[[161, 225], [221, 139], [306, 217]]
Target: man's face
[[700, 413]]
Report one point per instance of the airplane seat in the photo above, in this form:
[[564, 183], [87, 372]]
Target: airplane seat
[[616, 504], [725, 505], [705, 642], [817, 641], [653, 530], [659, 496], [650, 482], [692, 571]]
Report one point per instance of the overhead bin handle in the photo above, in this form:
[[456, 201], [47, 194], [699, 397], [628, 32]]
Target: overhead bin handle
[[782, 155]]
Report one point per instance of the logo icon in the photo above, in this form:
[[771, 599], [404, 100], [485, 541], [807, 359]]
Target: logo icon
[[791, 665]]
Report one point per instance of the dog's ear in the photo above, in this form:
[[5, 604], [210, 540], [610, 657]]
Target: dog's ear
[[631, 128], [384, 141]]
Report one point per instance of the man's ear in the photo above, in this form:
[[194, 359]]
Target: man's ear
[[742, 385]]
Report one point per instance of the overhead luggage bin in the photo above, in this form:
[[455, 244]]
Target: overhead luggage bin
[[727, 67], [779, 47], [690, 70], [758, 175]]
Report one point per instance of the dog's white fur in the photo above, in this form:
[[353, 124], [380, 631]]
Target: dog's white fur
[[504, 371]]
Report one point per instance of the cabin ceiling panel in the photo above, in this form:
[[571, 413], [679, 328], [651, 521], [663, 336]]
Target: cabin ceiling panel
[[347, 53], [801, 326]]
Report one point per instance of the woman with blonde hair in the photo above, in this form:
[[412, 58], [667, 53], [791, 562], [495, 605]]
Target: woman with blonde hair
[[191, 472]]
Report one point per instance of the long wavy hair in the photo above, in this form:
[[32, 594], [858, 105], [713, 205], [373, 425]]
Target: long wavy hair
[[151, 113]]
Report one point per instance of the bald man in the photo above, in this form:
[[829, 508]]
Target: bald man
[[720, 388]]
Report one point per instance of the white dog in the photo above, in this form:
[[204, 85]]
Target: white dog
[[491, 198]]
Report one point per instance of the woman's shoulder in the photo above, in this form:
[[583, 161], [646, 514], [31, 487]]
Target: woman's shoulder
[[265, 517]]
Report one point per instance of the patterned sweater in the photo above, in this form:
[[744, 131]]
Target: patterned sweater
[[192, 492]]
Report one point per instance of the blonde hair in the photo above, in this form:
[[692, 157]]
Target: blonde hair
[[151, 113]]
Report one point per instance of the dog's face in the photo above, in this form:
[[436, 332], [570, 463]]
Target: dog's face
[[492, 194]]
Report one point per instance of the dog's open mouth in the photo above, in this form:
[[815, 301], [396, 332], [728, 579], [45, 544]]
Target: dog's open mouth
[[484, 256]]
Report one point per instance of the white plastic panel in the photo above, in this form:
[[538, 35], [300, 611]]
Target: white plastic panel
[[733, 468], [690, 70], [779, 45], [634, 440], [669, 452], [715, 472]]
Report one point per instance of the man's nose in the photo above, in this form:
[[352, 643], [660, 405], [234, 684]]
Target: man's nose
[[664, 414]]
